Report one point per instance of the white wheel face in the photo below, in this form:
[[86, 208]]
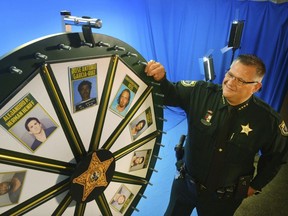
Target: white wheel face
[[83, 130]]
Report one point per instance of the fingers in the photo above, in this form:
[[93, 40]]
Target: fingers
[[148, 66], [152, 67], [155, 70]]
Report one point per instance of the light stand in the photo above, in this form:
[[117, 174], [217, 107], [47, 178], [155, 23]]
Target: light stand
[[235, 36]]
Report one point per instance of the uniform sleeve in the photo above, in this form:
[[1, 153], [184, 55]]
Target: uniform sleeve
[[178, 94], [272, 158]]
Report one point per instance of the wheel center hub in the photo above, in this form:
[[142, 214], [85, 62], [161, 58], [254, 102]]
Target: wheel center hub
[[92, 176]]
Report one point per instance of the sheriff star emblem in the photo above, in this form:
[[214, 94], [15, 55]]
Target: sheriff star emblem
[[246, 129], [94, 176]]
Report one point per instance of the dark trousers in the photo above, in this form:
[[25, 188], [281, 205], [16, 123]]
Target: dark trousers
[[185, 197]]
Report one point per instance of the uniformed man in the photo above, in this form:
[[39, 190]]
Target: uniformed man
[[227, 126]]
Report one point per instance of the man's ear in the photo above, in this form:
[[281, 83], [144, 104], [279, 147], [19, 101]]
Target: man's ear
[[258, 87]]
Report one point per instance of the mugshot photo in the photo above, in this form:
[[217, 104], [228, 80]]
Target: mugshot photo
[[140, 159], [140, 123], [121, 199], [122, 101], [85, 94], [83, 86], [11, 184], [124, 96], [34, 128]]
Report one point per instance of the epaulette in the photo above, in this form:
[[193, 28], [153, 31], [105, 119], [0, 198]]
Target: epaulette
[[282, 126], [214, 86], [261, 103]]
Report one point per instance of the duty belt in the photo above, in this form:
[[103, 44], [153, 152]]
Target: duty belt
[[221, 193]]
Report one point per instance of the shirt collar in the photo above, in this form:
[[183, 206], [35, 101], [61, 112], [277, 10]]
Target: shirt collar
[[240, 107], [223, 102]]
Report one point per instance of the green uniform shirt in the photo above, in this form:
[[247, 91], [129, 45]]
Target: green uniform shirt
[[256, 127]]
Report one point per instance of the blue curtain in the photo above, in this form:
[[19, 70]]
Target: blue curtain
[[174, 32], [178, 33], [266, 35]]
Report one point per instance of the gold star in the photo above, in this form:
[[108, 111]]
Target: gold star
[[94, 176], [246, 129]]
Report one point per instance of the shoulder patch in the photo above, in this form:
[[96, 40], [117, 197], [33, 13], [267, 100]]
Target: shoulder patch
[[188, 83], [283, 129]]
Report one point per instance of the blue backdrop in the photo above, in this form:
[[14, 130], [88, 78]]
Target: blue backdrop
[[175, 32]]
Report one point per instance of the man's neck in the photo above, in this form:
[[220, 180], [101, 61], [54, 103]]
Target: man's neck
[[41, 136]]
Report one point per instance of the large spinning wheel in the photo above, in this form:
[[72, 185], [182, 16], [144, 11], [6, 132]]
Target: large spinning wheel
[[92, 161]]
